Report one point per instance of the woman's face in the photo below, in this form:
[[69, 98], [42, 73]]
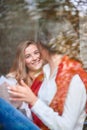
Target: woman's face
[[32, 58]]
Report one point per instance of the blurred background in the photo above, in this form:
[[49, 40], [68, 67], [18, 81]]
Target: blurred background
[[21, 20]]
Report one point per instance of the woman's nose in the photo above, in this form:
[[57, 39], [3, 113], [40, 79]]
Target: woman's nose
[[34, 57]]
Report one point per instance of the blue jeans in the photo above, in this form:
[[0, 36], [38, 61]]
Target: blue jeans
[[12, 119]]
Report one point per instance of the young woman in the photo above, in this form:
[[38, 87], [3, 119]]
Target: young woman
[[60, 103], [28, 67]]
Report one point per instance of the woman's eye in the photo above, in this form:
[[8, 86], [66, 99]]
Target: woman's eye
[[27, 56], [37, 52]]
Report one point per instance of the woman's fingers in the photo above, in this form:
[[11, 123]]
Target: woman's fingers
[[16, 99], [23, 83], [16, 88], [19, 93], [15, 94], [11, 88]]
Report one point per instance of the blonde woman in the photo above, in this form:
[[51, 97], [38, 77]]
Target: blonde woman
[[28, 67]]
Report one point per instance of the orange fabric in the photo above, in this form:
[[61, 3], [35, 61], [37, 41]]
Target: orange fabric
[[66, 70], [37, 83]]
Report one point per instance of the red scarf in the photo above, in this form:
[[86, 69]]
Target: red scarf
[[66, 70], [35, 88]]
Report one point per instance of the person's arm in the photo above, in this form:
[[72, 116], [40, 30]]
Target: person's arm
[[23, 107], [74, 105]]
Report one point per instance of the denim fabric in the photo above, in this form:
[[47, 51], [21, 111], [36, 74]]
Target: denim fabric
[[12, 119]]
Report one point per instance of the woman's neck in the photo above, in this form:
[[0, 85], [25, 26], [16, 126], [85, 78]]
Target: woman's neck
[[54, 61], [34, 74]]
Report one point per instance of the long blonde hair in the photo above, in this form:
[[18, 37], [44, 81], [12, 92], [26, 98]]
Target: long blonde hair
[[19, 68]]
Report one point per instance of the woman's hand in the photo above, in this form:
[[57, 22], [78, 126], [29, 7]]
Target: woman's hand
[[22, 93]]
